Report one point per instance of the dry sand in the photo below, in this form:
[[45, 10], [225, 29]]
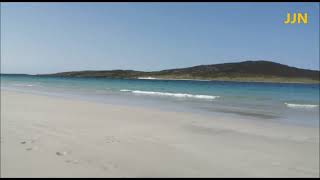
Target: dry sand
[[54, 137]]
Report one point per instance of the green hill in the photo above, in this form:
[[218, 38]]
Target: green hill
[[261, 71]]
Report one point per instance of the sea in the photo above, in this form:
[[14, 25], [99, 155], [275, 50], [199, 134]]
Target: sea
[[291, 103]]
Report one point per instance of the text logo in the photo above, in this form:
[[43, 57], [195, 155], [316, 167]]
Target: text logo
[[296, 18]]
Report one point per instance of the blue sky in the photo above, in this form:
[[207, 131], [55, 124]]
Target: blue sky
[[55, 37]]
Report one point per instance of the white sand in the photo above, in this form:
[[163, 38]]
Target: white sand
[[52, 137]]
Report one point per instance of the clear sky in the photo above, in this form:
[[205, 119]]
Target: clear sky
[[56, 37]]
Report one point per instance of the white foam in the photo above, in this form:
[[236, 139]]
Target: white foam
[[188, 79], [301, 105], [25, 85], [146, 78], [152, 78], [178, 95]]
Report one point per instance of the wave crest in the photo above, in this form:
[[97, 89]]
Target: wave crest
[[290, 105], [24, 85], [179, 95], [146, 77]]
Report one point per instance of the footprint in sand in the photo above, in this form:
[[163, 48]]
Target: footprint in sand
[[29, 142], [32, 148], [63, 153], [72, 161], [111, 139], [107, 166]]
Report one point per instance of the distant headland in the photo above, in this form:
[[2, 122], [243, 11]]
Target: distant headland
[[246, 71]]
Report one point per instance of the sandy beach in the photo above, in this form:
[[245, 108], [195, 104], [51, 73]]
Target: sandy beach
[[44, 136]]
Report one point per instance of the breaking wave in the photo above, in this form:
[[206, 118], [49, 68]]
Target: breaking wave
[[290, 105], [146, 78], [23, 85], [178, 95]]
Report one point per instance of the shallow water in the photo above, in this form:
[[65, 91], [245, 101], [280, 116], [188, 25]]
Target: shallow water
[[279, 102]]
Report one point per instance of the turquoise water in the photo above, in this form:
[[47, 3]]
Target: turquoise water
[[292, 103]]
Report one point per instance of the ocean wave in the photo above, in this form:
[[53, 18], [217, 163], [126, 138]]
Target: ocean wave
[[152, 78], [24, 85], [178, 95], [290, 105], [146, 78]]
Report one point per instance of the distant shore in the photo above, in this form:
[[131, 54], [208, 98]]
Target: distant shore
[[245, 71], [45, 136], [276, 80], [245, 80]]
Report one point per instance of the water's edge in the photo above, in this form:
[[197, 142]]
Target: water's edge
[[289, 103]]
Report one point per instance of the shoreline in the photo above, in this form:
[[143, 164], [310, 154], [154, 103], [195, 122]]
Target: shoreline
[[152, 101], [77, 138], [227, 80], [213, 105]]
